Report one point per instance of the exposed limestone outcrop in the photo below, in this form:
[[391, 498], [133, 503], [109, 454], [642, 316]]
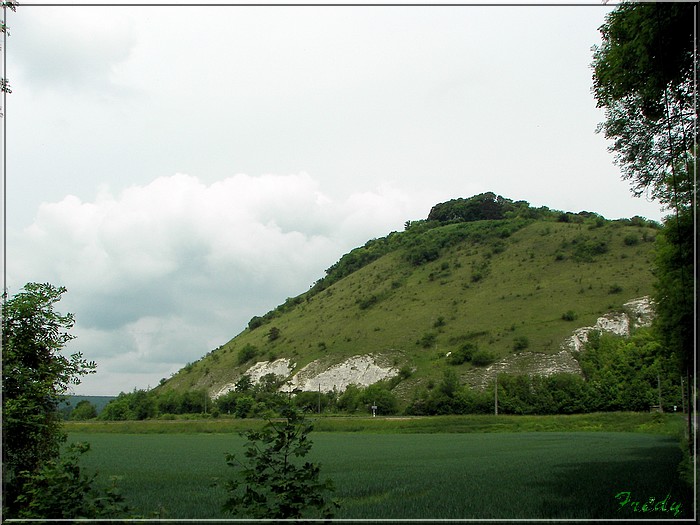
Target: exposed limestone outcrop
[[534, 363], [361, 370], [636, 313], [280, 367]]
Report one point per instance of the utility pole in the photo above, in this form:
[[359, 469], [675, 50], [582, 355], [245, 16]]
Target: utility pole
[[495, 395], [682, 396]]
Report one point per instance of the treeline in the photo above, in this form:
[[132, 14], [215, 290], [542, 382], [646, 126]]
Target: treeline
[[619, 374], [261, 400]]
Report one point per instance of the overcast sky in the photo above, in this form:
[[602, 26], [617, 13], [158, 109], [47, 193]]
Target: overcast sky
[[182, 169]]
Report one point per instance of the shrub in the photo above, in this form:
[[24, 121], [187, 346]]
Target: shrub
[[615, 288], [273, 334], [569, 315], [588, 250], [83, 410], [483, 358], [59, 490], [427, 340], [277, 486], [631, 240], [255, 322], [247, 353], [520, 343], [366, 302], [463, 354]]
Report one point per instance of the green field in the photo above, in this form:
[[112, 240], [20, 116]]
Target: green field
[[419, 475]]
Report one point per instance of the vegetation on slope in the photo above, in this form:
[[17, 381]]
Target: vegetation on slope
[[512, 282]]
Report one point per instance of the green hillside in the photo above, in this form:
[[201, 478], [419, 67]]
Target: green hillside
[[496, 273]]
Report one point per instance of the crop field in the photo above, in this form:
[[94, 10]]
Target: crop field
[[535, 475]]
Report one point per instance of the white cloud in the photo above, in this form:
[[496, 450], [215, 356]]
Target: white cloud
[[159, 274]]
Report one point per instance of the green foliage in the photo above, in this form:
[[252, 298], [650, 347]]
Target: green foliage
[[83, 410], [139, 404], [555, 394], [588, 250], [273, 334], [247, 353], [624, 374], [59, 490], [569, 315], [35, 377], [464, 354], [521, 342], [271, 484], [615, 289], [361, 399], [368, 301], [483, 358], [643, 77], [244, 406], [631, 240], [673, 290], [450, 397], [486, 206], [143, 404], [255, 322], [427, 340]]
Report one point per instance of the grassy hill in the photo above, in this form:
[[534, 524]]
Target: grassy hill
[[522, 280]]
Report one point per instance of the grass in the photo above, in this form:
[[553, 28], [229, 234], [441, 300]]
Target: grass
[[524, 291], [505, 475], [667, 424]]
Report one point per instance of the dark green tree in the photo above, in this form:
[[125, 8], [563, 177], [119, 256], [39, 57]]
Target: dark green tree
[[35, 378], [272, 483], [643, 78], [83, 410]]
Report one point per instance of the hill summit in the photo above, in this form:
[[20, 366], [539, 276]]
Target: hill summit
[[481, 286]]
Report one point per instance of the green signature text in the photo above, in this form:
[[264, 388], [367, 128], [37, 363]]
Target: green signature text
[[625, 499]]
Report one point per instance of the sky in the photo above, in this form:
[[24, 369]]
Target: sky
[[182, 169]]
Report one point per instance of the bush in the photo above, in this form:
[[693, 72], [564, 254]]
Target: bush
[[631, 240], [247, 353], [255, 322], [367, 302], [83, 410], [427, 340], [464, 354], [588, 250], [277, 486], [59, 490], [273, 334], [520, 343], [569, 315], [483, 358]]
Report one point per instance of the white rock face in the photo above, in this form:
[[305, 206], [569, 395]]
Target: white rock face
[[534, 363], [281, 367], [638, 312], [361, 370]]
